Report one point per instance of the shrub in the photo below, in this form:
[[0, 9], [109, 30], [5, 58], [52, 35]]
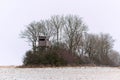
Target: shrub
[[49, 57], [54, 56], [30, 58]]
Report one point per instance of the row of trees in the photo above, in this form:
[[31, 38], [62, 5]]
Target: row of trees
[[69, 34]]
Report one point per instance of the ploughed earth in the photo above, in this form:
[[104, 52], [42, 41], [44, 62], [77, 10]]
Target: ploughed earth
[[60, 73]]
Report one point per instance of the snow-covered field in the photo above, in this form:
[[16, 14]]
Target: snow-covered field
[[68, 73]]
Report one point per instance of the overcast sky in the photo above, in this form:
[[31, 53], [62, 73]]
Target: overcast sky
[[99, 15]]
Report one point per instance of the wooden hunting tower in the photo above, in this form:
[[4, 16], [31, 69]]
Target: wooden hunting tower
[[43, 41]]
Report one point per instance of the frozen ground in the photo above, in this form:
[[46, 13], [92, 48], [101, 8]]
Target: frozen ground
[[69, 73]]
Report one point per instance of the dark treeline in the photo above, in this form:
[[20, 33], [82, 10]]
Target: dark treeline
[[71, 44]]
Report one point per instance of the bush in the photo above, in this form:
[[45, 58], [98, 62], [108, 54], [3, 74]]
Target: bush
[[30, 58], [54, 59], [50, 57], [54, 56]]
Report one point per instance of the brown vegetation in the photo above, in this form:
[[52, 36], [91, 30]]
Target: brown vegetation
[[70, 44]]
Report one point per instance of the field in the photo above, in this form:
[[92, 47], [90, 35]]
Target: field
[[67, 73]]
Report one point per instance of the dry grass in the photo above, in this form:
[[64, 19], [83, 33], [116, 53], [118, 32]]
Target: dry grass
[[7, 66]]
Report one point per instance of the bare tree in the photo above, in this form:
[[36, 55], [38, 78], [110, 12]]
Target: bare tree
[[90, 46], [57, 22], [47, 29], [31, 33], [98, 47], [114, 57], [105, 46], [74, 27]]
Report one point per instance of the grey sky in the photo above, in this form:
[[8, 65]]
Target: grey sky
[[99, 15]]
